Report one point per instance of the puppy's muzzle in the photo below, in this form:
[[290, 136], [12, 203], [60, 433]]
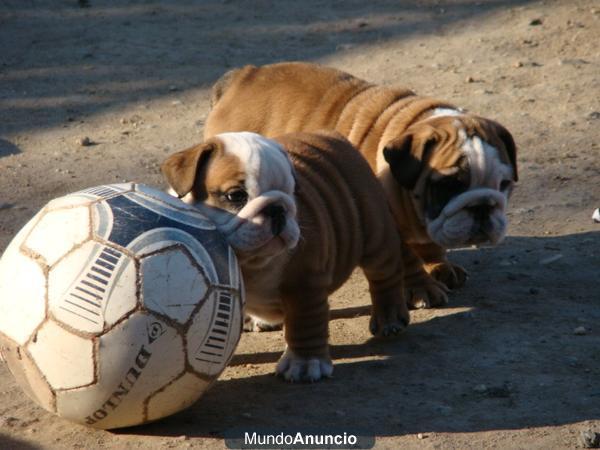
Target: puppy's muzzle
[[270, 215], [277, 215], [474, 217]]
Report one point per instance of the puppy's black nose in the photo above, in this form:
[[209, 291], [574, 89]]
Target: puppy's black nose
[[277, 215], [480, 212]]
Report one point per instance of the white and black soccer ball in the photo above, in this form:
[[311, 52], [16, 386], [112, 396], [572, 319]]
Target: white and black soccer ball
[[118, 305]]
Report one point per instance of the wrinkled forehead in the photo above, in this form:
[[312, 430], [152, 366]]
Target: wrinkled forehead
[[484, 161], [466, 149], [265, 162]]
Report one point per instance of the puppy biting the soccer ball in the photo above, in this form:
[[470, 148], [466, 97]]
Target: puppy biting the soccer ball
[[301, 212]]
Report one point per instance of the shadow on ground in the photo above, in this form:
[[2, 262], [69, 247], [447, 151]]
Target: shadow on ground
[[508, 359], [7, 148], [14, 444], [51, 74]]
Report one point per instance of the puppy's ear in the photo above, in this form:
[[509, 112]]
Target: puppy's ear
[[184, 170], [407, 154]]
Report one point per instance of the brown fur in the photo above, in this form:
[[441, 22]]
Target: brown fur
[[342, 224], [289, 97], [342, 227]]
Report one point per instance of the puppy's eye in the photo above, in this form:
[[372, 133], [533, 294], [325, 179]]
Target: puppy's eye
[[237, 196], [504, 185], [450, 185]]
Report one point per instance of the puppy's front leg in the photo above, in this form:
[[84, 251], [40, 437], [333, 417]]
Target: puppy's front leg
[[306, 328], [438, 266], [422, 289]]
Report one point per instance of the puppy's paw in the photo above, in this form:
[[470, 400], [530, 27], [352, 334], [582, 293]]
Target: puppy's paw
[[294, 368], [389, 321], [254, 324], [452, 275], [427, 294]]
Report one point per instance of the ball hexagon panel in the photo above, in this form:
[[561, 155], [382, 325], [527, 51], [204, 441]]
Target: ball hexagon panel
[[92, 287], [214, 333], [122, 293], [22, 295], [59, 231], [172, 283], [172, 207], [65, 360], [169, 399], [27, 374], [138, 356]]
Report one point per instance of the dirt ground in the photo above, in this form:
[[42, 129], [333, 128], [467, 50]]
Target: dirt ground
[[501, 366]]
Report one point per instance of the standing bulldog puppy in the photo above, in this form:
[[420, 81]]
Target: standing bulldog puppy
[[299, 226], [447, 174]]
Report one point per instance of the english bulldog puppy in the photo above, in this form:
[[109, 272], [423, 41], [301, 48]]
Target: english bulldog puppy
[[301, 212], [447, 173]]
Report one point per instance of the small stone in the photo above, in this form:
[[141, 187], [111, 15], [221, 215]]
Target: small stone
[[572, 361], [550, 259], [5, 205], [579, 331], [340, 413], [183, 437], [536, 22], [173, 88], [596, 216], [176, 102], [421, 436], [10, 421], [589, 439], [444, 410], [480, 388], [84, 141], [470, 79], [594, 115], [498, 392], [346, 46], [577, 62], [518, 64]]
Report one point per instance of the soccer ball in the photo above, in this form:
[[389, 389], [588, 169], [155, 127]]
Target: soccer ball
[[119, 305]]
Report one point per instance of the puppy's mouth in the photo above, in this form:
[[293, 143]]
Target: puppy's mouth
[[265, 227], [476, 217]]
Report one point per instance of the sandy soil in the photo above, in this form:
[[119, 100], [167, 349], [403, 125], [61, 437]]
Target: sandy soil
[[134, 77]]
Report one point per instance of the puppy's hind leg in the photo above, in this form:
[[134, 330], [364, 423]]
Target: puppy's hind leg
[[389, 311]]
